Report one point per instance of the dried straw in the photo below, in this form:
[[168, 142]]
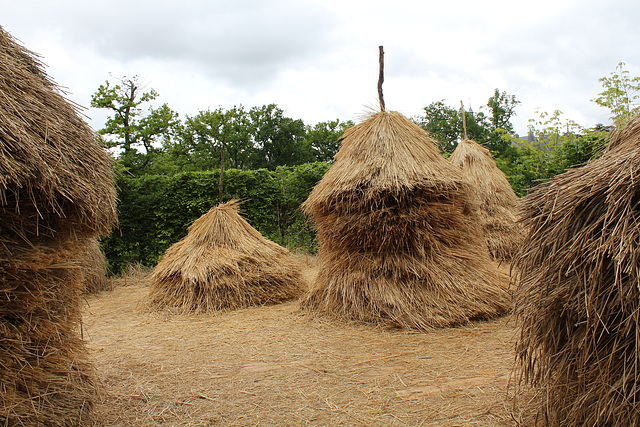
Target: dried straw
[[497, 200], [46, 376], [56, 191], [399, 241], [224, 263], [56, 181], [94, 264], [578, 301]]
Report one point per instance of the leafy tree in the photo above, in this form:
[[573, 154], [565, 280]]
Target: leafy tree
[[324, 138], [501, 108], [557, 144], [215, 139], [129, 128], [620, 94], [277, 140], [446, 125]]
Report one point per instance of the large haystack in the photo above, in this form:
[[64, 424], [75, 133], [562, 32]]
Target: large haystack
[[498, 202], [56, 191], [224, 263], [55, 179], [399, 242], [578, 300], [46, 377]]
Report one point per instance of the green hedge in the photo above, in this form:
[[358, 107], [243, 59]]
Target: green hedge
[[154, 211]]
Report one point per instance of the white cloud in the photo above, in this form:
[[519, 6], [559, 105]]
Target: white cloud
[[318, 60]]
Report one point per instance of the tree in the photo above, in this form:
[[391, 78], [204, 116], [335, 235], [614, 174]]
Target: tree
[[501, 110], [278, 140], [128, 127], [446, 125], [324, 138], [556, 145], [218, 134], [619, 95]]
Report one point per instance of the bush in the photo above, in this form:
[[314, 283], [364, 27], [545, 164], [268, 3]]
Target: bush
[[155, 211]]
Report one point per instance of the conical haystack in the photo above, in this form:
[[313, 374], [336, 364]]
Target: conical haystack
[[399, 244], [224, 263], [56, 191], [498, 202], [578, 300]]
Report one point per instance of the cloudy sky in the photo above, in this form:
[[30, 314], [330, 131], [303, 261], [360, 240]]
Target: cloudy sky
[[318, 59]]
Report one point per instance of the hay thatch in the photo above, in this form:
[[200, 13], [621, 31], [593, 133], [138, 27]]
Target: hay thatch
[[578, 301], [498, 202], [94, 265], [56, 180], [399, 242], [46, 377], [56, 191], [224, 263]]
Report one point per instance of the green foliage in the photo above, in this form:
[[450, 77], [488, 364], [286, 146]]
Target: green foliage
[[277, 140], [324, 138], [446, 124], [557, 145], [156, 210], [620, 94], [129, 129], [502, 109]]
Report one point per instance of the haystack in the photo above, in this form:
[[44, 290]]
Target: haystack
[[55, 179], [399, 241], [224, 263], [94, 266], [56, 191], [47, 377], [578, 300], [498, 202]]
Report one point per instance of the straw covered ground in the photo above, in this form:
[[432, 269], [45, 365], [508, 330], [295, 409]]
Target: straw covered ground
[[273, 365]]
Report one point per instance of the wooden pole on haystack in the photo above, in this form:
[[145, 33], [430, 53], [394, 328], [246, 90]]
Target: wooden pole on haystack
[[381, 78], [464, 120]]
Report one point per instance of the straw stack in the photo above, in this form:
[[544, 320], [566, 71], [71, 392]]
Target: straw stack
[[222, 264], [498, 202], [94, 265], [56, 192], [578, 301], [399, 241]]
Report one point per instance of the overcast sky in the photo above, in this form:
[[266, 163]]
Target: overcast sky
[[318, 59]]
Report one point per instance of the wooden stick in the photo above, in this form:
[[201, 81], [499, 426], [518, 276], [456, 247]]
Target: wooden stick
[[464, 120], [381, 79]]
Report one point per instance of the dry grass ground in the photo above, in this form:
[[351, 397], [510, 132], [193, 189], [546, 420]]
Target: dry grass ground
[[272, 366]]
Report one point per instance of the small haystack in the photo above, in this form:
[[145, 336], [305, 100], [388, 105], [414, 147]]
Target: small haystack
[[56, 191], [399, 242], [578, 300], [498, 202], [94, 265], [224, 263]]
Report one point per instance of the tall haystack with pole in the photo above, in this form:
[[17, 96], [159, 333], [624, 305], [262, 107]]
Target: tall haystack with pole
[[578, 299], [497, 200], [56, 193], [399, 241], [223, 263]]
